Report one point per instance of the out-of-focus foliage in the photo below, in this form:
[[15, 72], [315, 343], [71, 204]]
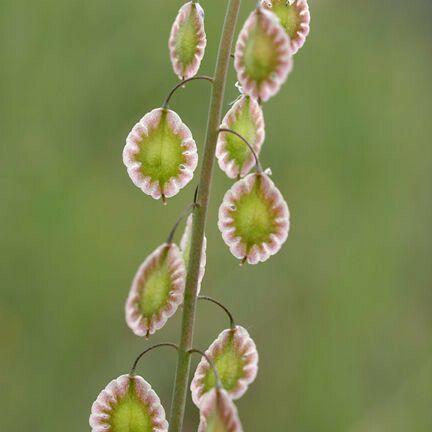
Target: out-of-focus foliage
[[342, 316]]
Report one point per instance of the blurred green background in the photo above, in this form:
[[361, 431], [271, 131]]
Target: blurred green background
[[342, 316]]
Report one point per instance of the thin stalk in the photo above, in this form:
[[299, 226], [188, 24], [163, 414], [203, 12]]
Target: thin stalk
[[223, 307], [185, 212], [132, 372], [182, 84], [199, 222]]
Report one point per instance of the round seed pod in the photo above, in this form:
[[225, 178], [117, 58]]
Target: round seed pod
[[157, 290], [235, 357], [128, 403], [294, 17], [263, 56], [246, 118], [188, 41], [185, 245], [254, 219], [218, 413], [160, 154]]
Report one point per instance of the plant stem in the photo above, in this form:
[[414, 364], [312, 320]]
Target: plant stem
[[200, 217]]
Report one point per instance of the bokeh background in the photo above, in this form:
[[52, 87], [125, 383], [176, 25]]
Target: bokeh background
[[342, 316]]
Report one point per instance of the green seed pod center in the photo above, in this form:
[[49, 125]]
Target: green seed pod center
[[187, 40], [131, 414], [156, 289], [161, 152], [254, 218], [229, 365], [216, 423], [261, 57], [244, 124], [288, 17]]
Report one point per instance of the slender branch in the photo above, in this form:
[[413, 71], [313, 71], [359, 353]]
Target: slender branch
[[212, 365], [200, 217], [212, 300], [132, 372], [181, 84], [257, 161]]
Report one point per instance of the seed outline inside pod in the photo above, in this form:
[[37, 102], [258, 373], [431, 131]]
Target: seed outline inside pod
[[147, 310], [246, 118], [235, 356], [130, 400], [263, 55], [294, 16], [188, 29], [160, 154]]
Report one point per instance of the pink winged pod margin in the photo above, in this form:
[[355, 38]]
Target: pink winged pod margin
[[226, 223], [270, 25], [184, 13], [218, 401], [225, 163], [248, 352], [115, 391], [144, 326], [186, 237], [301, 8], [132, 149]]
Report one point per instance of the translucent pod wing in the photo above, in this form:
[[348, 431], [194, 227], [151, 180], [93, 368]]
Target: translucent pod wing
[[157, 290], [185, 245], [160, 154], [188, 41], [294, 16], [128, 404], [218, 413], [246, 118], [263, 56], [235, 357], [254, 219]]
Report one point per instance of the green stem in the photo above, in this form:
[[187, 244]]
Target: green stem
[[200, 217]]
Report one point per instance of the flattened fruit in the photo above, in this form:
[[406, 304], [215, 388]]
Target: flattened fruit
[[254, 219], [128, 404], [160, 154], [157, 290]]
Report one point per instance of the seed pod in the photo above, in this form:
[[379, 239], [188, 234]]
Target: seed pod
[[157, 290], [218, 413], [254, 219], [246, 118], [160, 154], [128, 404], [263, 57], [294, 17], [185, 245], [235, 357], [188, 41]]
